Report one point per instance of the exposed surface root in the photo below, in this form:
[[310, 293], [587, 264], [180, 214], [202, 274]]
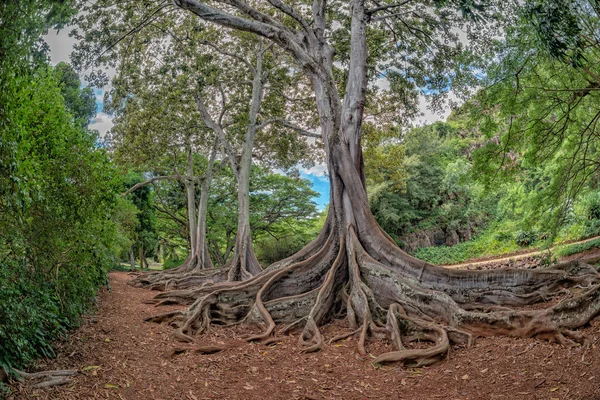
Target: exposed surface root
[[51, 378], [381, 291], [198, 349]]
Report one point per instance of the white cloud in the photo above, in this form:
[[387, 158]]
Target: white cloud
[[430, 116], [102, 123], [61, 45], [319, 171]]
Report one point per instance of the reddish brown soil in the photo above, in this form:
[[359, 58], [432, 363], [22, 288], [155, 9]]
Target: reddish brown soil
[[121, 357]]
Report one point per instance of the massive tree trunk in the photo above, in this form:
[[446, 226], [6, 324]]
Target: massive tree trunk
[[354, 268]]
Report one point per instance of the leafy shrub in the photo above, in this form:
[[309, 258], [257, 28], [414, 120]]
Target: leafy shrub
[[525, 238], [57, 233], [173, 263], [270, 250], [503, 236], [591, 228], [35, 311], [485, 245], [591, 204], [570, 249], [4, 391]]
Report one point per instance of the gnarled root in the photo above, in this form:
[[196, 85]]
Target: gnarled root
[[388, 292], [52, 378]]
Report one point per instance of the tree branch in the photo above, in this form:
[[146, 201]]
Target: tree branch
[[159, 178], [211, 124], [292, 13], [259, 24], [228, 54], [290, 125], [386, 7]]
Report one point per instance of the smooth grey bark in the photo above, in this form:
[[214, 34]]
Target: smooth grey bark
[[191, 199], [248, 264], [131, 259], [203, 260], [243, 263]]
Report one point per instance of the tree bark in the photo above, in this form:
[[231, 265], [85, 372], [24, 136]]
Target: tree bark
[[131, 259], [244, 264], [191, 199], [202, 254]]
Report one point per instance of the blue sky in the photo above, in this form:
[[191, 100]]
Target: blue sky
[[320, 183]]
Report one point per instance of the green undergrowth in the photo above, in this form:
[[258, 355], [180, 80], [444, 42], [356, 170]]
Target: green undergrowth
[[570, 249], [35, 311], [173, 263], [487, 244]]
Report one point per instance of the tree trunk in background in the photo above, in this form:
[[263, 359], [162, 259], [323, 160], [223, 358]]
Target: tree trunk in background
[[141, 256], [191, 199], [202, 255], [244, 263], [131, 259]]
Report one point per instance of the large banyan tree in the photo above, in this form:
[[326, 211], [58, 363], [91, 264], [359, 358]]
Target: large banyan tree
[[353, 267]]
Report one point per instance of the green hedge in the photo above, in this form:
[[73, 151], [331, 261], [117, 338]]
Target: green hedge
[[35, 311]]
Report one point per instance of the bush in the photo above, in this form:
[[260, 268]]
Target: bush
[[570, 249], [525, 238], [591, 228], [485, 245], [35, 311], [591, 202], [503, 236], [173, 263], [269, 250]]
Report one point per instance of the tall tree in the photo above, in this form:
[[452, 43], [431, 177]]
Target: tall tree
[[353, 265], [204, 68]]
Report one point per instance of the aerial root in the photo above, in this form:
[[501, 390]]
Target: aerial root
[[416, 312], [160, 318], [392, 325], [197, 349], [272, 340], [362, 338], [293, 325], [197, 321], [53, 378], [311, 338]]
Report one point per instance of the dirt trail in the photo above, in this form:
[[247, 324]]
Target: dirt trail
[[504, 258], [121, 357]]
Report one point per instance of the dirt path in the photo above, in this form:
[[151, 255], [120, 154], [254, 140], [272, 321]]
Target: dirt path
[[515, 257], [121, 357]]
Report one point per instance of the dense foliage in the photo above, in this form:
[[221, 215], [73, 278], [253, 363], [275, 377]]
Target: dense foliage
[[57, 234], [445, 209], [283, 216]]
